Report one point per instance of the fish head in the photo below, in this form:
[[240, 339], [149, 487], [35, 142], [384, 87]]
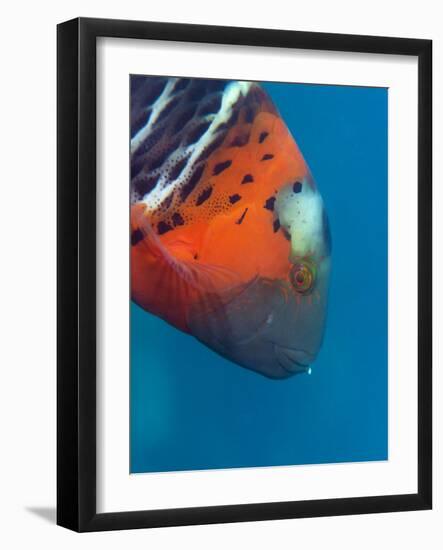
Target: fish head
[[230, 240], [275, 326]]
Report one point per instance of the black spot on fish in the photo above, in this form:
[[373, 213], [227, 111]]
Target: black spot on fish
[[211, 106], [297, 187], [144, 185], [178, 169], [269, 204], [163, 227], [247, 178], [184, 118], [267, 156], [212, 147], [263, 136], [193, 180], [240, 141], [136, 237], [242, 217], [221, 166], [204, 196], [196, 133], [234, 198], [276, 225], [177, 219], [286, 234], [180, 85]]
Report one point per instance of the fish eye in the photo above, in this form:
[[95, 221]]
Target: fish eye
[[302, 277]]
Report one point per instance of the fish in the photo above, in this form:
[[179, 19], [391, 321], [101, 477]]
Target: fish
[[230, 239]]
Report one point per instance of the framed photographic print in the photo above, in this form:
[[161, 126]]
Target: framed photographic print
[[244, 274]]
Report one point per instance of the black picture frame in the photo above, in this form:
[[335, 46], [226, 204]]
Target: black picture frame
[[76, 266]]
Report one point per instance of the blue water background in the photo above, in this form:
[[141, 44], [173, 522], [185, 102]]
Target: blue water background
[[193, 410]]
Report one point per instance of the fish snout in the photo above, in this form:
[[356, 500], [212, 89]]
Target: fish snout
[[263, 330], [294, 361]]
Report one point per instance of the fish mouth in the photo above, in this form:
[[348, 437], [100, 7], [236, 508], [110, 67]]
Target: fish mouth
[[293, 361]]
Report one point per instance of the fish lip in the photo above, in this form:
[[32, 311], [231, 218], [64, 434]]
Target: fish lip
[[293, 360], [300, 369]]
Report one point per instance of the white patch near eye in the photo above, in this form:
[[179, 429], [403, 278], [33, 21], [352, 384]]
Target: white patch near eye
[[301, 214]]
